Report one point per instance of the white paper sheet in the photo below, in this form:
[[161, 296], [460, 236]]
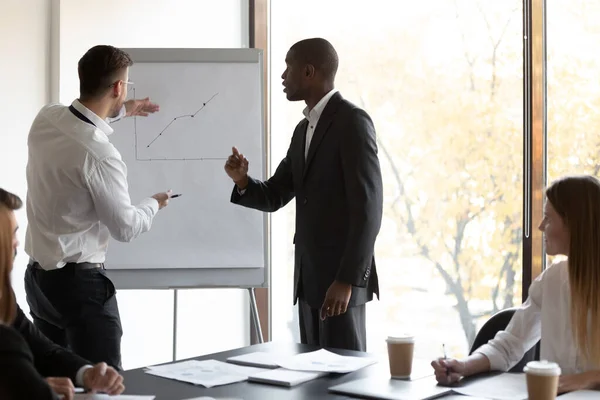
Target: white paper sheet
[[207, 373], [259, 359], [499, 387], [581, 395], [325, 361], [90, 396], [215, 398], [285, 377]]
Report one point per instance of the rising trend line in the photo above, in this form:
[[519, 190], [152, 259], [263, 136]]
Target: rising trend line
[[182, 116]]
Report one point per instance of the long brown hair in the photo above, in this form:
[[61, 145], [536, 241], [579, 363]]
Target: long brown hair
[[577, 200], [8, 305]]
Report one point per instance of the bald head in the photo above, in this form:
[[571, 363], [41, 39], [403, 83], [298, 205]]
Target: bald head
[[311, 65], [320, 54]]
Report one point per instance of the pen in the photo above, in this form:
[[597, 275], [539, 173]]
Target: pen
[[175, 195], [445, 358]]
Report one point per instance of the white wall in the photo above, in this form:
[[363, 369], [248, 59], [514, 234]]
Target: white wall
[[24, 49], [146, 23], [208, 320]]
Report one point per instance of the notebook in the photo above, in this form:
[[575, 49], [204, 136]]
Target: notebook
[[285, 377], [392, 389]]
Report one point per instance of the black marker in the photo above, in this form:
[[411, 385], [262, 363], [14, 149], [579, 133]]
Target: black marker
[[175, 195]]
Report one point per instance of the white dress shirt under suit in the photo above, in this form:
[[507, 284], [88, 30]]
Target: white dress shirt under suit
[[545, 315], [312, 116]]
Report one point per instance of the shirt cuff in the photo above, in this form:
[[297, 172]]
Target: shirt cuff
[[497, 361], [122, 113], [152, 203], [79, 376]]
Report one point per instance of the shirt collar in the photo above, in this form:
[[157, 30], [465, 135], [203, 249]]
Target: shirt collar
[[317, 110], [96, 120]]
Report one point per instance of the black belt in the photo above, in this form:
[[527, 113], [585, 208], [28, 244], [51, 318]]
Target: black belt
[[84, 265]]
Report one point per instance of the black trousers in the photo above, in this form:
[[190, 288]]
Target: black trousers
[[346, 331], [77, 308]]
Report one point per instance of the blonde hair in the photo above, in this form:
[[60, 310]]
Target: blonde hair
[[8, 304], [577, 200]]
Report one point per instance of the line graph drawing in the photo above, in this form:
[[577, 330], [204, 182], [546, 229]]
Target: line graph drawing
[[136, 139], [181, 116]]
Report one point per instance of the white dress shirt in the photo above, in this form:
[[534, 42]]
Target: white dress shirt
[[547, 315], [77, 191], [312, 116]]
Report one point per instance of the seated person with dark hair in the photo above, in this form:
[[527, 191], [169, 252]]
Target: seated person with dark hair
[[26, 355]]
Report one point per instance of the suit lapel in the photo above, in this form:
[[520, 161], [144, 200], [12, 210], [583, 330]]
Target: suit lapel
[[302, 148], [321, 129]]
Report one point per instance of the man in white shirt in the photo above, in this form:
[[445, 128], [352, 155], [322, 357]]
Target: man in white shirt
[[77, 198]]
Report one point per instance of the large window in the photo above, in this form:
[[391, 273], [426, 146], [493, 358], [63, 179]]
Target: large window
[[442, 80], [573, 87]]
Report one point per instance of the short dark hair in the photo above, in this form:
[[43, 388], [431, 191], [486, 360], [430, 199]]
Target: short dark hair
[[98, 69], [319, 53], [11, 201]]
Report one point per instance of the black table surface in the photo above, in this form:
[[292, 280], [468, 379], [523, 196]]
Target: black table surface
[[140, 383]]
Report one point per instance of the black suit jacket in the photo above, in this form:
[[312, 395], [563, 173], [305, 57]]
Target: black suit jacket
[[49, 359], [339, 201], [18, 376]]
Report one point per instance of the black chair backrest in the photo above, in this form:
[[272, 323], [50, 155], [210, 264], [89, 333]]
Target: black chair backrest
[[499, 322]]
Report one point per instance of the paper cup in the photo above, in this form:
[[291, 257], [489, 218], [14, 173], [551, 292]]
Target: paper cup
[[400, 354], [542, 380]]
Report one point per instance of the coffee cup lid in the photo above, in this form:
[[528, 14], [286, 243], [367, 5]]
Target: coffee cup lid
[[402, 338], [543, 367]]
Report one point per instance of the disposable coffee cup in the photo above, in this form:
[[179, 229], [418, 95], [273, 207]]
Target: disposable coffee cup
[[400, 354], [542, 380]]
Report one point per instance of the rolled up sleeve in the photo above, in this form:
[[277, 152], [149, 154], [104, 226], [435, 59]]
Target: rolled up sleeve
[[522, 333]]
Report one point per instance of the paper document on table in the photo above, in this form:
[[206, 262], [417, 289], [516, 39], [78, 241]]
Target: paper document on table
[[207, 373], [500, 387], [215, 398], [93, 396], [325, 361], [258, 359], [285, 377], [581, 395]]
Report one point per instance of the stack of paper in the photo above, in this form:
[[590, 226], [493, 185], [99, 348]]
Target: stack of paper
[[325, 361], [258, 359], [207, 373], [285, 377]]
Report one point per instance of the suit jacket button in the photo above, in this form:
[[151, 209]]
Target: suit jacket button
[[305, 201]]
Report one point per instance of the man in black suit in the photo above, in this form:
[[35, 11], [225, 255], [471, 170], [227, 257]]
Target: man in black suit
[[60, 366], [333, 171]]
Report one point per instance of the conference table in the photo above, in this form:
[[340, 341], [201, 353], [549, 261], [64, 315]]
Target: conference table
[[140, 383]]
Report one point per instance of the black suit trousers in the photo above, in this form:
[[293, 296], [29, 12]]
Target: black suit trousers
[[346, 331], [77, 308]]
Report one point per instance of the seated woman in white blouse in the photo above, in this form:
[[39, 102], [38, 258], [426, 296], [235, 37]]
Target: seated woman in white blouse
[[563, 308]]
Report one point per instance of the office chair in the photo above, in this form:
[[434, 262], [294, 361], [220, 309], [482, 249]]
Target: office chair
[[498, 322]]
